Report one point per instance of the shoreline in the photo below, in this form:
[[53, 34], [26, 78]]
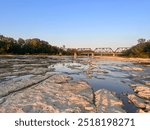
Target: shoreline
[[111, 58], [117, 58]]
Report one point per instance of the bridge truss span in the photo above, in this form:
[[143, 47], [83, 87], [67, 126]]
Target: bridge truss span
[[84, 49], [99, 51], [121, 49], [104, 50]]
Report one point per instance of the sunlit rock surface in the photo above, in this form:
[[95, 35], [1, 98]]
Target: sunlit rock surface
[[16, 85], [107, 102], [52, 95], [132, 68], [141, 98], [137, 101], [141, 90], [140, 111], [59, 93]]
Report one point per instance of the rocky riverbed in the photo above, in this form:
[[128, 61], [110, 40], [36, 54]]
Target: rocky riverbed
[[61, 84]]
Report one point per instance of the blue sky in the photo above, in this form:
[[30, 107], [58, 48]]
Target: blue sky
[[77, 23]]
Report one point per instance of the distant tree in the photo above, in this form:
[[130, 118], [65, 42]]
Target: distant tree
[[147, 47], [21, 41], [140, 50], [1, 37], [2, 46], [27, 46], [148, 40], [141, 40]]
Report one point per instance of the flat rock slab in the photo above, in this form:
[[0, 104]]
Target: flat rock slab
[[146, 83], [143, 92], [55, 94], [142, 104], [137, 101], [132, 68], [13, 86], [107, 102], [141, 99], [140, 111]]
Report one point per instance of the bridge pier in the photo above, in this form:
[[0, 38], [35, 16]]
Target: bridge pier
[[114, 54], [75, 55], [60, 54], [92, 55]]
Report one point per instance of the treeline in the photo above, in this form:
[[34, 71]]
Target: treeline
[[141, 50], [28, 46]]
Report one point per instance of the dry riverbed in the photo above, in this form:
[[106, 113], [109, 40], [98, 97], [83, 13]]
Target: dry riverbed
[[61, 84]]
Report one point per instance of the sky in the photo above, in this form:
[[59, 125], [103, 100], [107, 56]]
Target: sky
[[77, 23]]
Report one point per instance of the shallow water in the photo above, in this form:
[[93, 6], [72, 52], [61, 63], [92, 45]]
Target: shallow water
[[108, 75], [98, 74]]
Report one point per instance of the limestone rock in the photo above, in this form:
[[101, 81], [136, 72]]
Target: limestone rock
[[107, 102], [143, 92], [60, 78], [137, 101], [39, 71], [133, 86], [137, 69], [12, 86], [141, 98], [51, 95], [132, 68], [147, 107], [140, 111], [146, 82]]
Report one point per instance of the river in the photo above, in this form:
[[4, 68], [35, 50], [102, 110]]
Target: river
[[116, 76]]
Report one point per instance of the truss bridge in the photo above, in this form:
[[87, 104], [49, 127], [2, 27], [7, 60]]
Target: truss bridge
[[99, 51]]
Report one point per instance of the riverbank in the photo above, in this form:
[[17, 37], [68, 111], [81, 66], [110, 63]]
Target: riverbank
[[117, 58], [114, 58]]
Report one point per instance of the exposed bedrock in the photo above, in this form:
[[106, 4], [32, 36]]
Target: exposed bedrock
[[107, 102], [59, 93], [141, 98], [52, 95]]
